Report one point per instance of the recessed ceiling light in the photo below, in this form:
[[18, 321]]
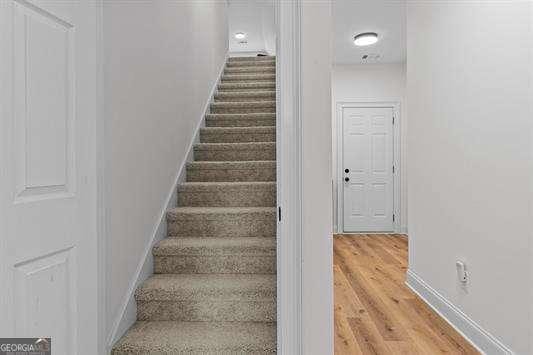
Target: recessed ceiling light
[[365, 39], [240, 35]]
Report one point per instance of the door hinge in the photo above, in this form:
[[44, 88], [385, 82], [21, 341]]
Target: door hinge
[[279, 213], [393, 217], [393, 169], [393, 118]]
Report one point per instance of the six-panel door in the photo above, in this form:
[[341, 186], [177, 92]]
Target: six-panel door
[[48, 263], [367, 176]]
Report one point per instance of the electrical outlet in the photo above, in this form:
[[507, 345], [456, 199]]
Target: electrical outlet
[[462, 273]]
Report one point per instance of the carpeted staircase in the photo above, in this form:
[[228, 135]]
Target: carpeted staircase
[[214, 287]]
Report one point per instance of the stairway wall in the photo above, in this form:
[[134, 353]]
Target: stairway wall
[[162, 59]]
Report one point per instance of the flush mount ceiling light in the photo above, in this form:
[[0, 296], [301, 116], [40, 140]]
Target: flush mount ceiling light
[[365, 39], [240, 35]]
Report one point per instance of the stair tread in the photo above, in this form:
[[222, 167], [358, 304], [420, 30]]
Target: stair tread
[[242, 115], [248, 76], [249, 93], [240, 130], [208, 184], [235, 93], [238, 164], [220, 210], [190, 246], [261, 103], [171, 337], [166, 287], [258, 85], [222, 146]]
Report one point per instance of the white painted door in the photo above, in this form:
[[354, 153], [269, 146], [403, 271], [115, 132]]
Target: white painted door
[[367, 170], [48, 259]]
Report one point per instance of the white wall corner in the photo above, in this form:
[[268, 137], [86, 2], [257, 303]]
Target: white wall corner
[[128, 313], [470, 330]]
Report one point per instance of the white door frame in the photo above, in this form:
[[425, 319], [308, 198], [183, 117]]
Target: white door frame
[[395, 105], [288, 156]]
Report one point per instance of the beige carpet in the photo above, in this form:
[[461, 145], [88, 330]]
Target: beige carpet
[[214, 287]]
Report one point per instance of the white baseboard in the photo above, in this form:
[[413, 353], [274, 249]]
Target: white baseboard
[[470, 330], [128, 313]]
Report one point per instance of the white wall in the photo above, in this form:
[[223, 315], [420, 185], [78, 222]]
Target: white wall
[[317, 246], [469, 145], [370, 83], [256, 19], [161, 61]]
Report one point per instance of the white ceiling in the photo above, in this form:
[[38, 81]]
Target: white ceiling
[[385, 17]]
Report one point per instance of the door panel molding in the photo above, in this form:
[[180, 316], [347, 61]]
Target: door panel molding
[[396, 109], [43, 78]]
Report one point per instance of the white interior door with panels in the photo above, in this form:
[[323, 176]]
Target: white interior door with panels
[[48, 258], [367, 163]]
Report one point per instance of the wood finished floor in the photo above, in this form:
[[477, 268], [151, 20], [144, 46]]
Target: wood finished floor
[[375, 313]]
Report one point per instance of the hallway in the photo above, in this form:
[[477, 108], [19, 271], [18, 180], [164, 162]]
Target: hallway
[[375, 312]]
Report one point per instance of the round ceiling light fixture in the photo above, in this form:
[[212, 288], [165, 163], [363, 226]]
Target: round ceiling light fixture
[[365, 39], [240, 35]]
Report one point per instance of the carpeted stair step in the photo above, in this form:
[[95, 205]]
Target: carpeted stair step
[[231, 171], [240, 119], [214, 286], [252, 59], [234, 151], [241, 96], [250, 63], [248, 77], [208, 298], [256, 69], [247, 86], [221, 222], [231, 255], [198, 338], [227, 194], [237, 134], [244, 107]]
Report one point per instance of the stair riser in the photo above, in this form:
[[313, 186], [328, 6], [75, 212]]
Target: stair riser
[[239, 97], [235, 155], [247, 78], [251, 64], [243, 197], [239, 122], [244, 109], [235, 225], [196, 175], [251, 70], [208, 310], [246, 86], [215, 137], [215, 264]]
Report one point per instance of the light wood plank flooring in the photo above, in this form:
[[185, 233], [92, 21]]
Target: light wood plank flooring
[[375, 313]]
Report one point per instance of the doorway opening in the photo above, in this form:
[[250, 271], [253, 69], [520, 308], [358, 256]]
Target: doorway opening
[[368, 168]]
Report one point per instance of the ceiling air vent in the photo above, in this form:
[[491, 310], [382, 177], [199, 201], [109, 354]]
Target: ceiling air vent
[[371, 58]]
